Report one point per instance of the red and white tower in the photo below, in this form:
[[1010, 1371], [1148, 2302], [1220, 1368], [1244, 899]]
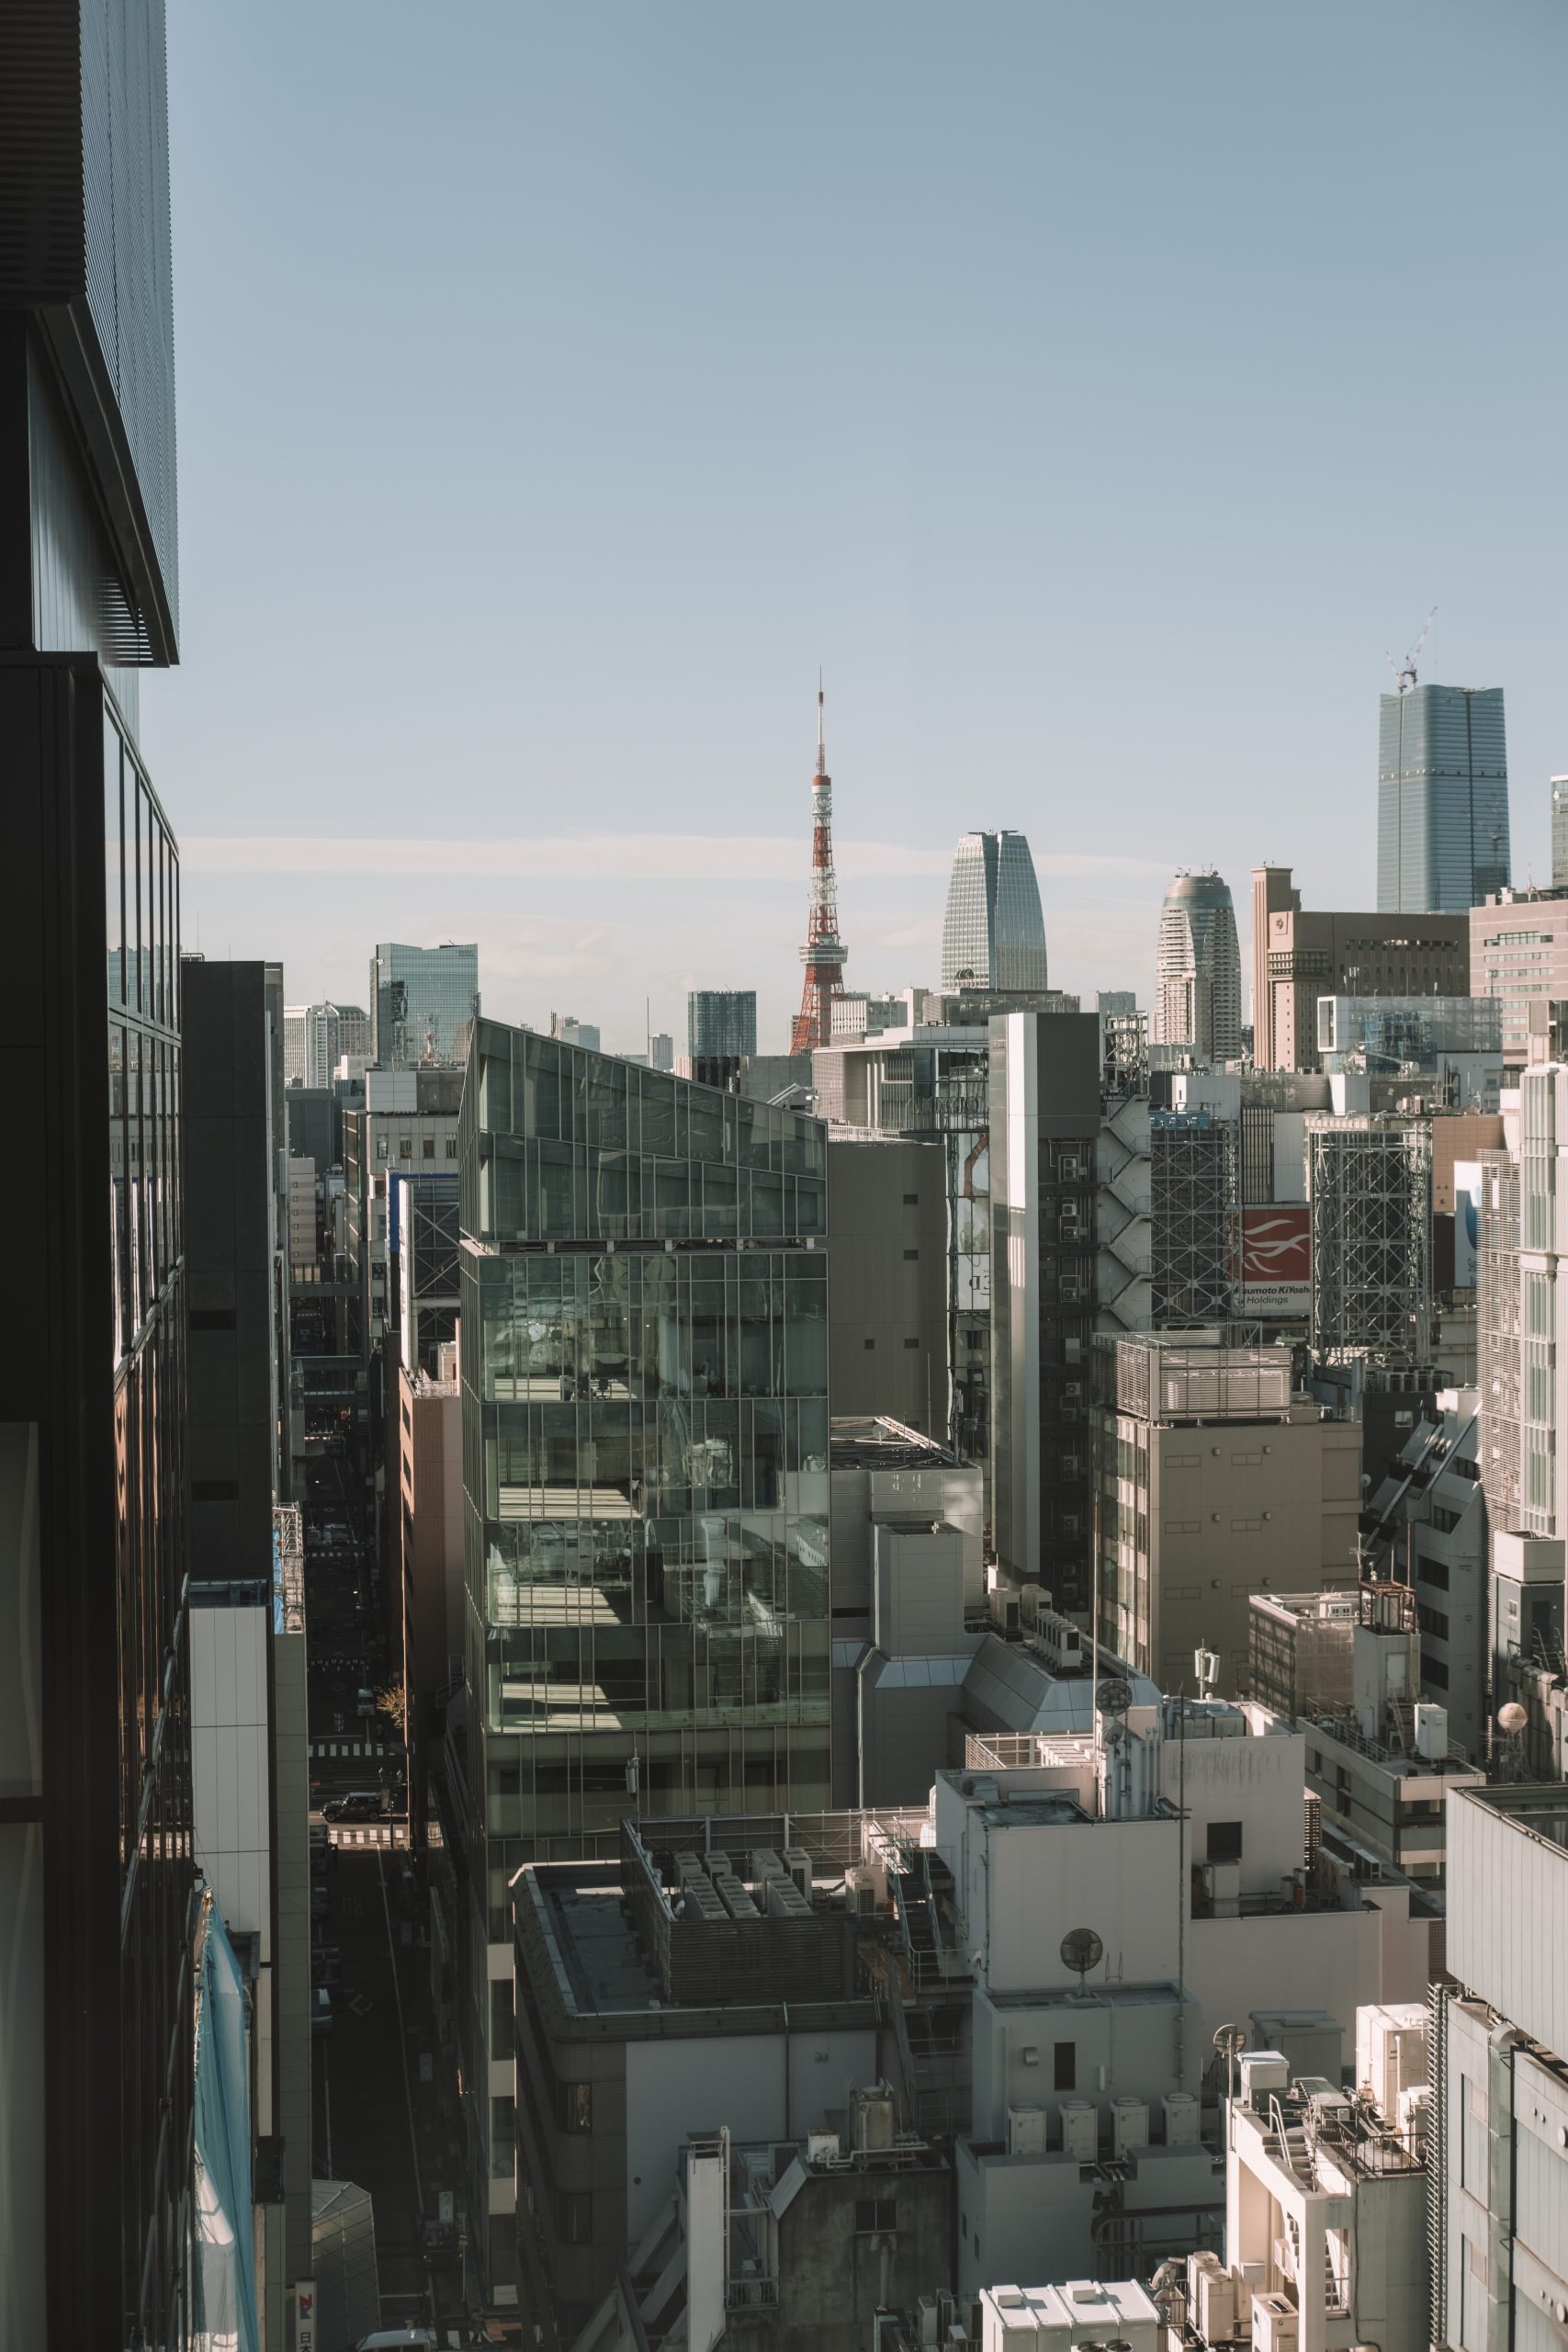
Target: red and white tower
[[824, 953]]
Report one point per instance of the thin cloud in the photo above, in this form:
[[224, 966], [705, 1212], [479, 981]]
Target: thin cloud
[[675, 857]]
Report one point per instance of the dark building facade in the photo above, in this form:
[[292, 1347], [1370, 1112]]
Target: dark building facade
[[97, 1879], [888, 1268], [1045, 1121]]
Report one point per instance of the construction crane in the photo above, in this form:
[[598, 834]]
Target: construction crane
[[1405, 671]]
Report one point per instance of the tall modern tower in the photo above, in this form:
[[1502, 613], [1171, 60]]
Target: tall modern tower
[[1198, 969], [994, 935], [824, 953], [424, 1003], [1442, 798]]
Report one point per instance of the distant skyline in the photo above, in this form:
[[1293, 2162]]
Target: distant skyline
[[1077, 384]]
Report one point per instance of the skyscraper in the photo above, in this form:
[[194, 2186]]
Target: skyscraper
[[424, 1003], [1198, 969], [98, 1946], [994, 935], [1442, 800], [1560, 831], [644, 1358], [721, 1023]]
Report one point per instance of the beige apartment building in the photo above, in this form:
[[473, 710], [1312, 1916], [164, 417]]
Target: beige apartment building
[[1299, 954], [1213, 1481], [1518, 953]]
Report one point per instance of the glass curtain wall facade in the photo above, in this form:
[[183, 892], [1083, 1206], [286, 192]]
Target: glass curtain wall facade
[[644, 1361], [994, 933], [424, 1003], [721, 1023], [1442, 800], [644, 1364], [1198, 970], [97, 1911]]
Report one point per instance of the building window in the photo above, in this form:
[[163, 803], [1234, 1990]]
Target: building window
[[380, 1147], [405, 1147], [878, 2214], [575, 2106], [501, 2036], [451, 1147], [1432, 1572], [428, 1151], [1474, 2152], [911, 1343], [1224, 1841], [1433, 1672], [911, 1253], [871, 1344], [1065, 2067], [574, 2217]]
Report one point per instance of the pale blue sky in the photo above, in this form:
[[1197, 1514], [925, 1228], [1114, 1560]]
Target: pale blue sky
[[1094, 390]]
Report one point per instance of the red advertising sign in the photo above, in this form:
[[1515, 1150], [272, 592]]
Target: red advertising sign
[[1276, 1257]]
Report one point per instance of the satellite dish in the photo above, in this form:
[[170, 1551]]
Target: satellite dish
[[1113, 1698], [1082, 1950], [1230, 2041], [1513, 1717]]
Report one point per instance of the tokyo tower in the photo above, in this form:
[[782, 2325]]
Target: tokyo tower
[[824, 953]]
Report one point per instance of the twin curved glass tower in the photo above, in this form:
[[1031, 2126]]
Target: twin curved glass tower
[[994, 935]]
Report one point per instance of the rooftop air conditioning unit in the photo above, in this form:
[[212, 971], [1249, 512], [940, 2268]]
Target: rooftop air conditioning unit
[[1080, 2130], [1415, 2114], [797, 1862], [1222, 1885], [1026, 2130], [1431, 1731], [1211, 2298], [1276, 2323], [1129, 2126], [1183, 2122]]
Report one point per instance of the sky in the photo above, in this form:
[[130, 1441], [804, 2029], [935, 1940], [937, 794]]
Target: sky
[[1093, 392]]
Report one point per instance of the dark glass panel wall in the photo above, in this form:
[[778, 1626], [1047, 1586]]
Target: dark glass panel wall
[[645, 1370]]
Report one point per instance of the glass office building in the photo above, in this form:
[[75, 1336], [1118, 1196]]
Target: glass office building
[[1198, 970], [98, 1910], [721, 1023], [994, 933], [424, 1003], [644, 1361], [1442, 800], [645, 1409]]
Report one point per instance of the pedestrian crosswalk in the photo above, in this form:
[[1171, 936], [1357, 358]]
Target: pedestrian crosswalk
[[354, 1751], [385, 1834]]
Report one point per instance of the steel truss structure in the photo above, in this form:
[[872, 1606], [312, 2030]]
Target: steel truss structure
[[1193, 1207], [1370, 1181]]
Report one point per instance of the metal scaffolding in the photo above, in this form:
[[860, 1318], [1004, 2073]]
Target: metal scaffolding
[[1192, 1204], [1370, 1181]]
